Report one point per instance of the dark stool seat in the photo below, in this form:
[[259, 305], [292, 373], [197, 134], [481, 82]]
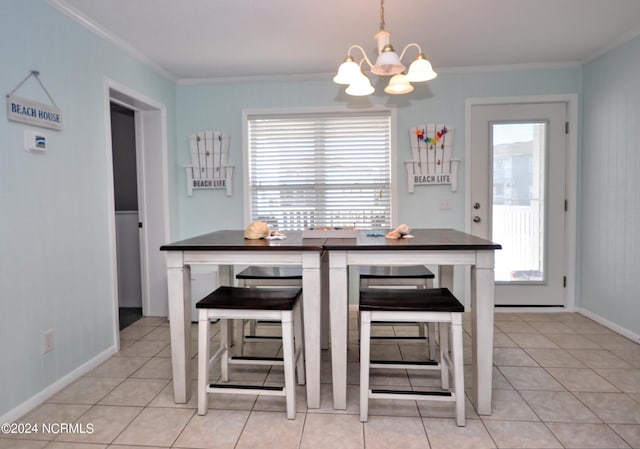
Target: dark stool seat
[[237, 303], [419, 300], [243, 298], [270, 272], [395, 272], [432, 305]]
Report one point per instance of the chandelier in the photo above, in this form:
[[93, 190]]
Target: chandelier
[[388, 63]]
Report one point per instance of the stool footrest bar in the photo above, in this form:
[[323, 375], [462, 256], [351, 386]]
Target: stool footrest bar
[[244, 389], [403, 337], [403, 364], [249, 360], [411, 392], [262, 337]]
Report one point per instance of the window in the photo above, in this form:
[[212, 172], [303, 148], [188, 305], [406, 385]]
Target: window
[[320, 169]]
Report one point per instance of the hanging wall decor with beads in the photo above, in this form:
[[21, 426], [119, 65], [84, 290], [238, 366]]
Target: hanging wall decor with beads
[[209, 167], [431, 164]]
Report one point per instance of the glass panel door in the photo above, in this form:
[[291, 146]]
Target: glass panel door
[[517, 197], [518, 216]]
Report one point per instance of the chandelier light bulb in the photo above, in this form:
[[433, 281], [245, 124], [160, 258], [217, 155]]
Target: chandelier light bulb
[[347, 72], [360, 86], [420, 70], [398, 84]]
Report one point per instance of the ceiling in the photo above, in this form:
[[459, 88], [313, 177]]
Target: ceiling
[[193, 40]]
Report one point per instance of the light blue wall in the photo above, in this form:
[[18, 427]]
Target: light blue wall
[[610, 187], [219, 107], [54, 263], [53, 207]]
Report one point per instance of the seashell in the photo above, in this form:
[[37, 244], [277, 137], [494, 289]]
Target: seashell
[[393, 235], [257, 230], [401, 231]]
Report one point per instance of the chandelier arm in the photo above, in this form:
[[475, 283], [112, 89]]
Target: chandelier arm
[[364, 54], [412, 44]]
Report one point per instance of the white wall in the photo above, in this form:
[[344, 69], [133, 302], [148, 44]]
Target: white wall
[[55, 270], [609, 220]]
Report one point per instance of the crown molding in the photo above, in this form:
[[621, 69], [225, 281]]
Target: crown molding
[[329, 76], [257, 78], [623, 39], [510, 67], [89, 24]]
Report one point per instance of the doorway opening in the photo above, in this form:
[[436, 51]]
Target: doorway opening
[[125, 193], [151, 222]]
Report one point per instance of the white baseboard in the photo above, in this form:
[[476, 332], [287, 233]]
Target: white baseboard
[[611, 325], [598, 319], [39, 398]]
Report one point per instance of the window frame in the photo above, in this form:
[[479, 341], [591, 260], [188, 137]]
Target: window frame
[[248, 114]]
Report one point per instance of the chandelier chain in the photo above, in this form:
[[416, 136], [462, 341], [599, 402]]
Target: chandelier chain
[[381, 15]]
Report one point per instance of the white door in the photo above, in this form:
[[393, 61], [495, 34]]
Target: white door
[[518, 172]]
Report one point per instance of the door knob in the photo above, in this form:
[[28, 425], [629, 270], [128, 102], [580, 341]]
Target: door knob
[[476, 205], [476, 219]]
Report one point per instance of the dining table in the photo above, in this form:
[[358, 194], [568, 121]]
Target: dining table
[[326, 263], [444, 248], [228, 249]]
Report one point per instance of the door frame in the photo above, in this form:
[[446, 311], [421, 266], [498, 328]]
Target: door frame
[[571, 101], [153, 196]]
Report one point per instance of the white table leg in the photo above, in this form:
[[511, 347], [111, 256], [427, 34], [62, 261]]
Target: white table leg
[[311, 307], [179, 292], [325, 332], [445, 277], [225, 275], [339, 319], [482, 305]]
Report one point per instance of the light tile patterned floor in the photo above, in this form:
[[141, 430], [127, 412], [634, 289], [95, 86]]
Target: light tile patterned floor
[[560, 381]]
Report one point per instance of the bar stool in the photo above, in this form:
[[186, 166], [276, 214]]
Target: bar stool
[[264, 276], [414, 305], [417, 276], [229, 303]]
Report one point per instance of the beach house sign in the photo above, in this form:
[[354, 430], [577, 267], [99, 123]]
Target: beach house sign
[[32, 112]]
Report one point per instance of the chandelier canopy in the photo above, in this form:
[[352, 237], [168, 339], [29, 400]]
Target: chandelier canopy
[[388, 63]]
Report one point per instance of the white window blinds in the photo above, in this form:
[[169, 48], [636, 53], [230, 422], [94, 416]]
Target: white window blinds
[[310, 170]]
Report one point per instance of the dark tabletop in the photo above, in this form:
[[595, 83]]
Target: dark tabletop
[[424, 239], [233, 240]]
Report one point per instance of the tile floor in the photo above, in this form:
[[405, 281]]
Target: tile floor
[[560, 381]]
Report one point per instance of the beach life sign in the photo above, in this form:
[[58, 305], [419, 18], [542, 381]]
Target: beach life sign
[[431, 162], [33, 113]]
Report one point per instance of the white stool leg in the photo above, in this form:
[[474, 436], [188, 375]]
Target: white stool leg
[[252, 325], [238, 336], [299, 343], [431, 342], [364, 283], [365, 355], [203, 361], [458, 368], [443, 329], [226, 355], [288, 354], [423, 326]]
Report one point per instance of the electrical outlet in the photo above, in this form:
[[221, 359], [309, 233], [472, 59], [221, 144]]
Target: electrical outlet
[[444, 204], [48, 341]]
